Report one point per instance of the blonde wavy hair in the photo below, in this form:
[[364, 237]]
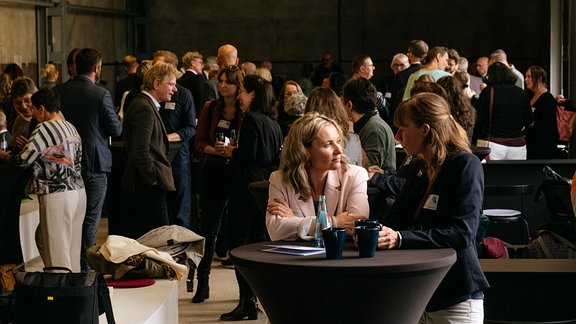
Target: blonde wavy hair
[[49, 72], [445, 135], [159, 71], [294, 157]]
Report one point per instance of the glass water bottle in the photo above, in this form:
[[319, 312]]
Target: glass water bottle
[[322, 221]]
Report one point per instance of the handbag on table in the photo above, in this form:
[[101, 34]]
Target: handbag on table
[[66, 297]]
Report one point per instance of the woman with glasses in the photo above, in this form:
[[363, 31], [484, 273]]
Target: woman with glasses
[[390, 86], [257, 155], [218, 122], [284, 119]]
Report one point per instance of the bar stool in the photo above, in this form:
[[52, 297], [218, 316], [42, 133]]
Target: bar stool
[[504, 218]]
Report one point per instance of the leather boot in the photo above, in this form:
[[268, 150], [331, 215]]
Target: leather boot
[[190, 279], [246, 309], [202, 291]]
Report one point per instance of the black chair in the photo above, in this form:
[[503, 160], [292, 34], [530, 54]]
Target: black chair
[[502, 219]]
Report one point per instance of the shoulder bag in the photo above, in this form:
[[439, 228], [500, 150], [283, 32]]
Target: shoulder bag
[[486, 142], [66, 297]]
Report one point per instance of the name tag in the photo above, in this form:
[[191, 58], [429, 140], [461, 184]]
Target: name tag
[[388, 95], [432, 202], [224, 124], [170, 105]]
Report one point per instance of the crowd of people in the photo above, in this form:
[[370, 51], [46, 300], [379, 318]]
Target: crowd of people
[[198, 130]]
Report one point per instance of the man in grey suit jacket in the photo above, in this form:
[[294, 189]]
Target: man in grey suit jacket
[[147, 171], [90, 109]]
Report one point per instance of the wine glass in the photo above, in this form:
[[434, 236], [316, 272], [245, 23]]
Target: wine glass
[[220, 137], [233, 137]]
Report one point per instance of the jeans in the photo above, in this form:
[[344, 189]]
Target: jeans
[[179, 201], [95, 184]]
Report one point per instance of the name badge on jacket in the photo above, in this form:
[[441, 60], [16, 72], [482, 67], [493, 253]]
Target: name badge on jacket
[[432, 202], [223, 123], [170, 105]]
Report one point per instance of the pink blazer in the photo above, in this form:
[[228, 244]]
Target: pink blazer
[[342, 194]]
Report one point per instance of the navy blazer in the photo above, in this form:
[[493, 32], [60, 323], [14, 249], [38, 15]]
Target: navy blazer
[[403, 76], [179, 116], [257, 155], [146, 146], [90, 109], [449, 219]]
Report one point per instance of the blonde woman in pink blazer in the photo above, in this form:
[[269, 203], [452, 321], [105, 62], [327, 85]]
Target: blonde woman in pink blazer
[[313, 164]]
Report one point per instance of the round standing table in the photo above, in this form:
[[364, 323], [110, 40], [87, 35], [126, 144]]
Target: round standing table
[[392, 287]]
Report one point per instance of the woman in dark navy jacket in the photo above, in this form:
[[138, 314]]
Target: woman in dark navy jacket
[[257, 155], [440, 205]]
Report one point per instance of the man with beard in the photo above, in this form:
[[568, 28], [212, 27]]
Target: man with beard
[[89, 107]]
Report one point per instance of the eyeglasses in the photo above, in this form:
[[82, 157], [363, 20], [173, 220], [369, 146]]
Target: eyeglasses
[[170, 84], [369, 65], [398, 65]]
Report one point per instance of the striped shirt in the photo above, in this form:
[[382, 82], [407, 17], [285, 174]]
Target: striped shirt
[[54, 150]]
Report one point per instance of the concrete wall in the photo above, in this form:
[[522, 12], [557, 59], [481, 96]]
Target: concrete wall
[[294, 32], [84, 28], [17, 37]]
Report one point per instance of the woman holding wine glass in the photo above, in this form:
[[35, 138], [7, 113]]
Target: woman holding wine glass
[[219, 119]]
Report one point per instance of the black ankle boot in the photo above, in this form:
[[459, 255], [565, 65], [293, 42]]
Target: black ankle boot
[[202, 291], [246, 309]]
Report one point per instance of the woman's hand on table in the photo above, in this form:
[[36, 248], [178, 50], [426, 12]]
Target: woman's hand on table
[[346, 220], [280, 207], [387, 238]]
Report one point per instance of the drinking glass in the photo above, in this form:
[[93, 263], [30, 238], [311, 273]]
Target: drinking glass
[[220, 137]]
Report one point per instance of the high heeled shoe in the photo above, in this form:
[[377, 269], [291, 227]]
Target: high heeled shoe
[[202, 291], [246, 309]]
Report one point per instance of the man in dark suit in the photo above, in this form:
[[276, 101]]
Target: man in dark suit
[[417, 50], [130, 65], [90, 109], [193, 78], [147, 172]]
